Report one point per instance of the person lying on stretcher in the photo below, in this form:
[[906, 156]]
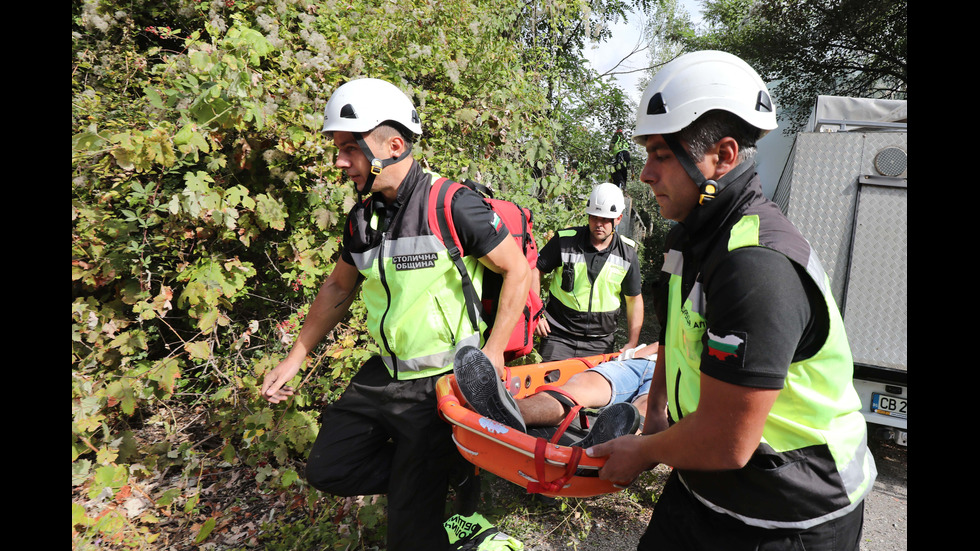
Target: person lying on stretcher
[[619, 387]]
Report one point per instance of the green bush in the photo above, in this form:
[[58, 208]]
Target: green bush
[[206, 212]]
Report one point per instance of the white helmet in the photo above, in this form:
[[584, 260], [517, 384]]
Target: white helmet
[[696, 83], [361, 105], [606, 201]]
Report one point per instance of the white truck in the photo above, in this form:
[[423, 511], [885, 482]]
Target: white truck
[[845, 186]]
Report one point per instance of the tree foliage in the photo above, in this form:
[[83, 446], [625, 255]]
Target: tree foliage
[[666, 24], [809, 47], [582, 107], [206, 212]]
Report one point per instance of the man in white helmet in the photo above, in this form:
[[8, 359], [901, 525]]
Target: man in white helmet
[[596, 269], [383, 435], [752, 401]]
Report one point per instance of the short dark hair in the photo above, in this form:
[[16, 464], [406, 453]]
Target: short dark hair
[[390, 129], [714, 125]]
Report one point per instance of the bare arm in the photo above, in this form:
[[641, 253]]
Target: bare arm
[[656, 415], [543, 329], [506, 259], [330, 306], [721, 434], [634, 320]]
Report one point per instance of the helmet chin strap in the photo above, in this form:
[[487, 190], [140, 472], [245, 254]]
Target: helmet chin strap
[[708, 189], [377, 165]]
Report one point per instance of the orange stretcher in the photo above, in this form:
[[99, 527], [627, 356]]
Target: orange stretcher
[[534, 463]]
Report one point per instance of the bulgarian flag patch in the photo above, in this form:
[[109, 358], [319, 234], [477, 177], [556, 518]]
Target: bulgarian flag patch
[[726, 348], [496, 222]]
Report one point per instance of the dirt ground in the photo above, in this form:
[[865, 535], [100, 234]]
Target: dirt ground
[[886, 509]]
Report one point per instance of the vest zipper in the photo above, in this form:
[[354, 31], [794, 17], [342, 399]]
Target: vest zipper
[[384, 283], [588, 315], [677, 394], [605, 257]]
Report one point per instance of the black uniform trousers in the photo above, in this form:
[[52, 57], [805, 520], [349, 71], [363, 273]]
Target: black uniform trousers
[[559, 345], [384, 436], [681, 522]]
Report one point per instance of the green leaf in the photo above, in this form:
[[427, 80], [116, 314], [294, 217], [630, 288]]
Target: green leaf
[[222, 393], [112, 476], [129, 342], [200, 61], [208, 319], [168, 497], [154, 96], [80, 471], [198, 181], [198, 350], [165, 374], [228, 453], [189, 141], [270, 211], [205, 530], [123, 391], [250, 41], [288, 477], [467, 115], [87, 141], [191, 503], [127, 445], [78, 516], [296, 133]]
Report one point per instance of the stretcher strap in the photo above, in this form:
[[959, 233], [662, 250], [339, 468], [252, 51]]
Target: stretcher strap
[[564, 424], [555, 486], [559, 390], [557, 393]]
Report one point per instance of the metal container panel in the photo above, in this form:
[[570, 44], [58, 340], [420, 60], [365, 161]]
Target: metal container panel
[[867, 263]]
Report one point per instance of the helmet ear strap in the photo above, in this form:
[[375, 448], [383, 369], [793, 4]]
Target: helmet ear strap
[[709, 189], [377, 165]]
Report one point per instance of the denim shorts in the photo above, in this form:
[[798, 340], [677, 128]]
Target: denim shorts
[[629, 379]]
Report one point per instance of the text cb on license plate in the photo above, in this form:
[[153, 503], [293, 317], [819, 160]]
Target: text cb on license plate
[[892, 406]]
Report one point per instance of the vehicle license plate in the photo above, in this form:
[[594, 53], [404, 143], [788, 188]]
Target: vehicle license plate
[[892, 406]]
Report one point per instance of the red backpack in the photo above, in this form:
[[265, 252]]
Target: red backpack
[[519, 222]]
